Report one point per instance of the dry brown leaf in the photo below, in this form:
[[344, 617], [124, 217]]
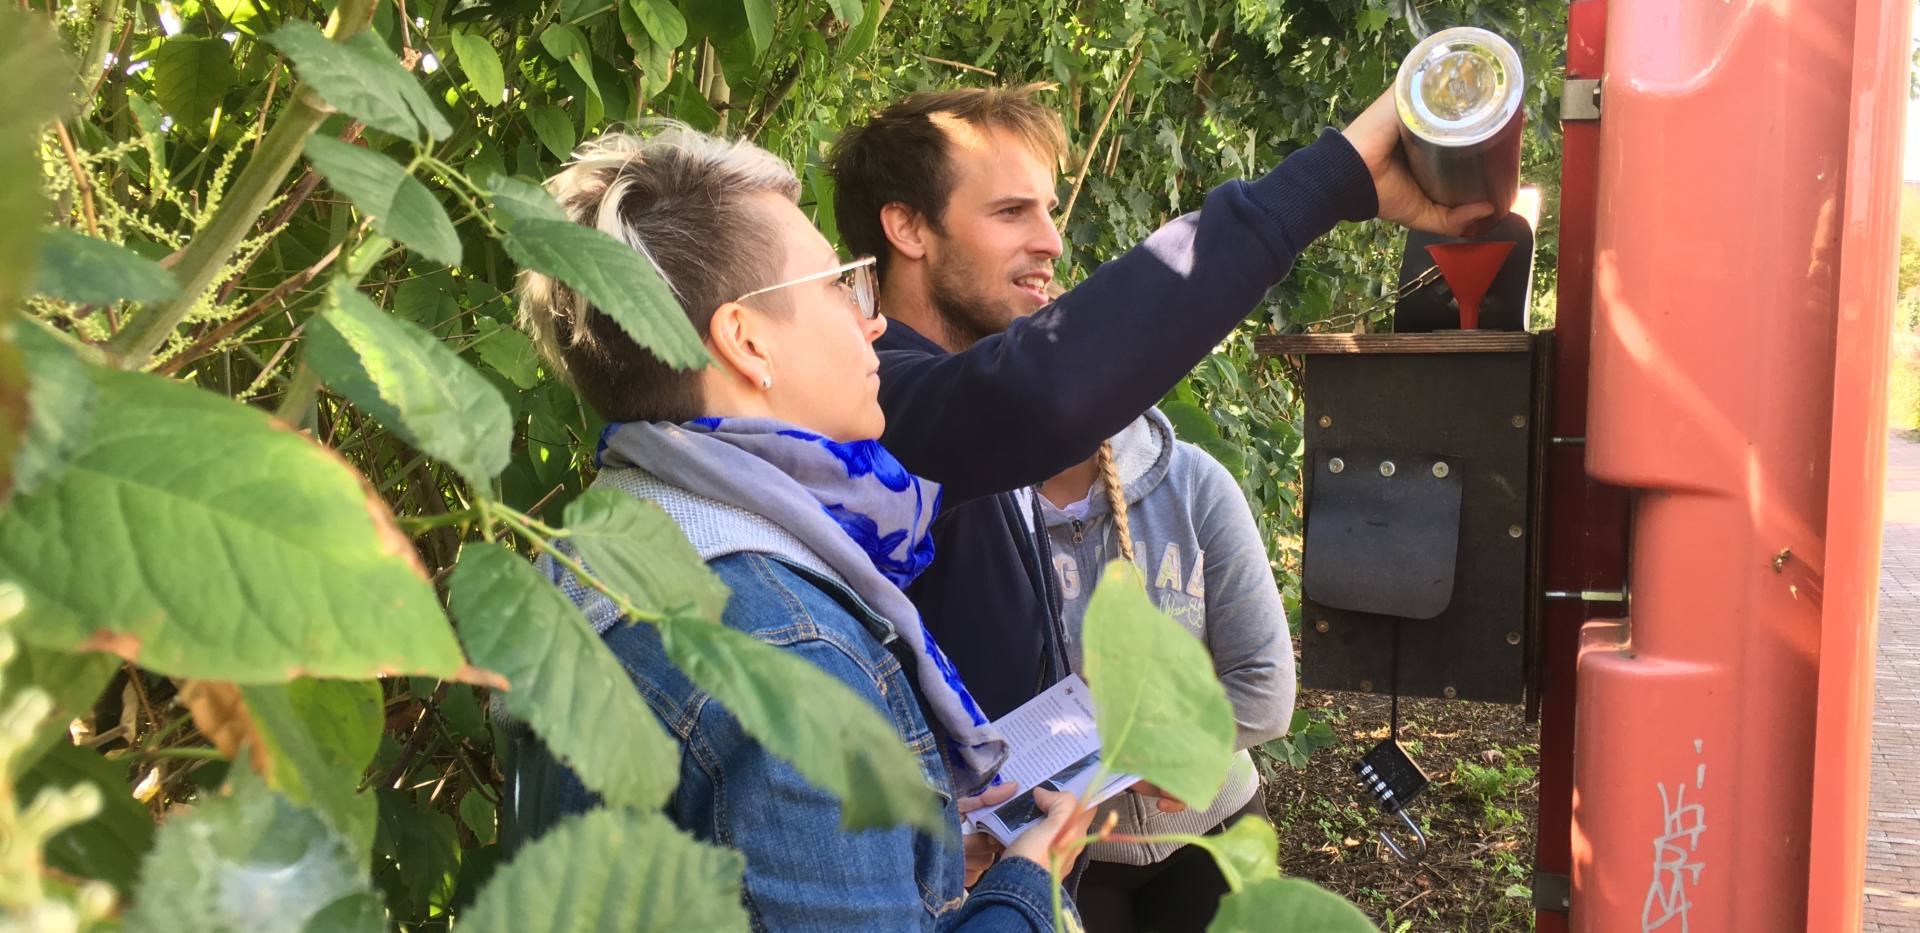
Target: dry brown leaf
[[221, 714]]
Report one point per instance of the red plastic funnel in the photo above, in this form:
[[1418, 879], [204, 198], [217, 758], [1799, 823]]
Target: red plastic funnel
[[1469, 269]]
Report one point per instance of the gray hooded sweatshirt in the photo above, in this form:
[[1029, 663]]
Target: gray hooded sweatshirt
[[1197, 546]]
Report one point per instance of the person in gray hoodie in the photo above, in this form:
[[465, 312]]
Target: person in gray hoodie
[[1178, 515]]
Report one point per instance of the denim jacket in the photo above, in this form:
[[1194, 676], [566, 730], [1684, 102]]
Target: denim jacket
[[803, 871]]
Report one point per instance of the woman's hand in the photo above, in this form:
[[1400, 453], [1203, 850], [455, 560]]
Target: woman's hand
[[1162, 801], [981, 849], [1066, 821]]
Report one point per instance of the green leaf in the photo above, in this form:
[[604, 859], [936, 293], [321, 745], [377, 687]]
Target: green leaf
[[761, 19], [60, 400], [108, 846], [554, 128], [319, 736], [427, 300], [190, 76], [616, 870], [478, 813], [662, 20], [362, 78], [518, 623], [401, 207], [73, 681], [848, 11], [638, 552], [514, 200], [618, 281], [836, 739], [482, 66], [39, 82], [417, 855], [84, 270], [249, 861], [1288, 904], [1161, 711], [508, 351], [253, 569], [566, 42], [412, 383], [1248, 852]]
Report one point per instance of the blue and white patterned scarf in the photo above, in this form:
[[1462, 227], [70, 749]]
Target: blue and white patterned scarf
[[852, 504]]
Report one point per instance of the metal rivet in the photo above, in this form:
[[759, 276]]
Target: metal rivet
[[1366, 686], [1513, 531], [1386, 468], [1519, 421], [1513, 638], [1326, 421], [1441, 470], [1336, 465], [1449, 693], [1321, 626]]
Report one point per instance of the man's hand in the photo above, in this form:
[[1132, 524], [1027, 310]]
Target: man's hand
[[1065, 821], [1375, 134], [981, 849], [1164, 802]]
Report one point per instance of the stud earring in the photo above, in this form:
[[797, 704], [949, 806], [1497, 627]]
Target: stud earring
[[766, 382]]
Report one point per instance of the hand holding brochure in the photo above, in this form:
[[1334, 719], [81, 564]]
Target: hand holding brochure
[[1054, 745]]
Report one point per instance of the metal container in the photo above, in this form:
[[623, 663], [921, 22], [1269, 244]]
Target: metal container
[[1459, 95]]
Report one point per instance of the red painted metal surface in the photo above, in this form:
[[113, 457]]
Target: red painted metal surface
[[1718, 271], [1585, 521], [1869, 234]]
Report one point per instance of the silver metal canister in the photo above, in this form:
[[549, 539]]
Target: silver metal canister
[[1459, 94]]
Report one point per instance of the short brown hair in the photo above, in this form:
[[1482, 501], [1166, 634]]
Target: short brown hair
[[680, 198], [900, 155]]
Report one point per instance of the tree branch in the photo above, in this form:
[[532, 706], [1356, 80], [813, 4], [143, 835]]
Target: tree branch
[[1093, 146]]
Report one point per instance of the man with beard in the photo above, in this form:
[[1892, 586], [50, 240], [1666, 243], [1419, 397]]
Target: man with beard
[[988, 391]]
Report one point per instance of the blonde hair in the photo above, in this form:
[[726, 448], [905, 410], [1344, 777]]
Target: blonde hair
[[1116, 498], [682, 200]]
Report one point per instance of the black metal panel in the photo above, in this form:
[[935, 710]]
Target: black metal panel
[[1476, 412], [1385, 532], [1431, 307]]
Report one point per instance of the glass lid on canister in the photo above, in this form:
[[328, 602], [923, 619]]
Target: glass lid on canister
[[1459, 86]]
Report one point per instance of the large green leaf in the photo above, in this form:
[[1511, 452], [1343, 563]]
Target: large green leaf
[[1288, 904], [86, 270], [515, 200], [1161, 710], [362, 78], [401, 207], [762, 17], [417, 855], [566, 42], [241, 551], [662, 20], [319, 736], [73, 681], [613, 870], [638, 552], [482, 66], [554, 129], [109, 845], [561, 678], [416, 385], [835, 738], [508, 351], [39, 80], [1248, 852], [190, 76], [60, 400], [617, 280], [848, 11], [251, 861]]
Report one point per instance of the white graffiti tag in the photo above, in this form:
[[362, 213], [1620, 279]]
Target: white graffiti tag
[[1674, 864]]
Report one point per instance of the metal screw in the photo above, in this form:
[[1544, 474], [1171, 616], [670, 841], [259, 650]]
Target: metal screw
[[1386, 468], [1326, 421], [1440, 470], [1513, 531], [1519, 421], [1366, 686], [1513, 638], [1449, 693], [1336, 465], [1321, 626]]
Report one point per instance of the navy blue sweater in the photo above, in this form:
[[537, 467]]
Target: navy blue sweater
[[1019, 407]]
